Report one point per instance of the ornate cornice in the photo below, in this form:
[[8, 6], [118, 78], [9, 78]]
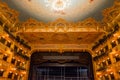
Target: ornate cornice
[[10, 14], [60, 25], [111, 16]]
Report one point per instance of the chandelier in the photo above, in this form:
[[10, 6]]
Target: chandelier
[[58, 6]]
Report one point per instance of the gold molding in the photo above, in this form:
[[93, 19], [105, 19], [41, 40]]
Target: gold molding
[[10, 14], [60, 25], [12, 17]]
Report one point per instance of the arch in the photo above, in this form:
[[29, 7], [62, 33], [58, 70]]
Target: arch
[[80, 50]]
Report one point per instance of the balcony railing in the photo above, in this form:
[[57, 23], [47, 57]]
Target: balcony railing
[[5, 64], [4, 78]]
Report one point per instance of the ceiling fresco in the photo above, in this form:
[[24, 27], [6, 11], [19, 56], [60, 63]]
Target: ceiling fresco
[[50, 10]]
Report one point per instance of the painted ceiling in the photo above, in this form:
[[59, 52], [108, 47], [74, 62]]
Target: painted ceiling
[[50, 10]]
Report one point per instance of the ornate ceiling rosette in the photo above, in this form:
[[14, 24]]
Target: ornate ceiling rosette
[[58, 6]]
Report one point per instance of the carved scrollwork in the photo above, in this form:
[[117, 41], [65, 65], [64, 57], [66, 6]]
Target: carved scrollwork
[[60, 25], [111, 16], [111, 13], [10, 14]]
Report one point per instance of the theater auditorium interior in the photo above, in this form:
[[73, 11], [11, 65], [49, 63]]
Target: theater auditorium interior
[[59, 39]]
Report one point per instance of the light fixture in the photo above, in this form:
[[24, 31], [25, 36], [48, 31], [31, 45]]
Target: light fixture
[[13, 69], [1, 69], [111, 73], [106, 74], [103, 60], [21, 75], [98, 73], [10, 72], [16, 73], [109, 70], [116, 55], [113, 40], [24, 72], [96, 51], [58, 6], [100, 76], [108, 58]]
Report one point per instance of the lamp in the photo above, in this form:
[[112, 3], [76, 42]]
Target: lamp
[[57, 5]]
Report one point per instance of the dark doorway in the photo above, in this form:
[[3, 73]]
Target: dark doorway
[[66, 66]]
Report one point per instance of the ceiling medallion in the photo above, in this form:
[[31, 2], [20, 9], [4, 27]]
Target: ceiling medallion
[[58, 6]]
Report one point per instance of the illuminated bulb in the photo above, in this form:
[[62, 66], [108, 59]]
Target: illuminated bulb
[[98, 73], [111, 73], [113, 40], [106, 75], [21, 75], [24, 72], [108, 70], [115, 34], [13, 69], [8, 41], [1, 69], [16, 73], [116, 54], [7, 35], [103, 60], [10, 72], [96, 51], [3, 36], [119, 70], [96, 54]]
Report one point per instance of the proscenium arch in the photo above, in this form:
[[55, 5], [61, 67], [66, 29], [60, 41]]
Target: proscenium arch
[[59, 51], [90, 67]]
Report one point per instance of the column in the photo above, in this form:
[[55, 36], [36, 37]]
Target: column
[[27, 70]]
